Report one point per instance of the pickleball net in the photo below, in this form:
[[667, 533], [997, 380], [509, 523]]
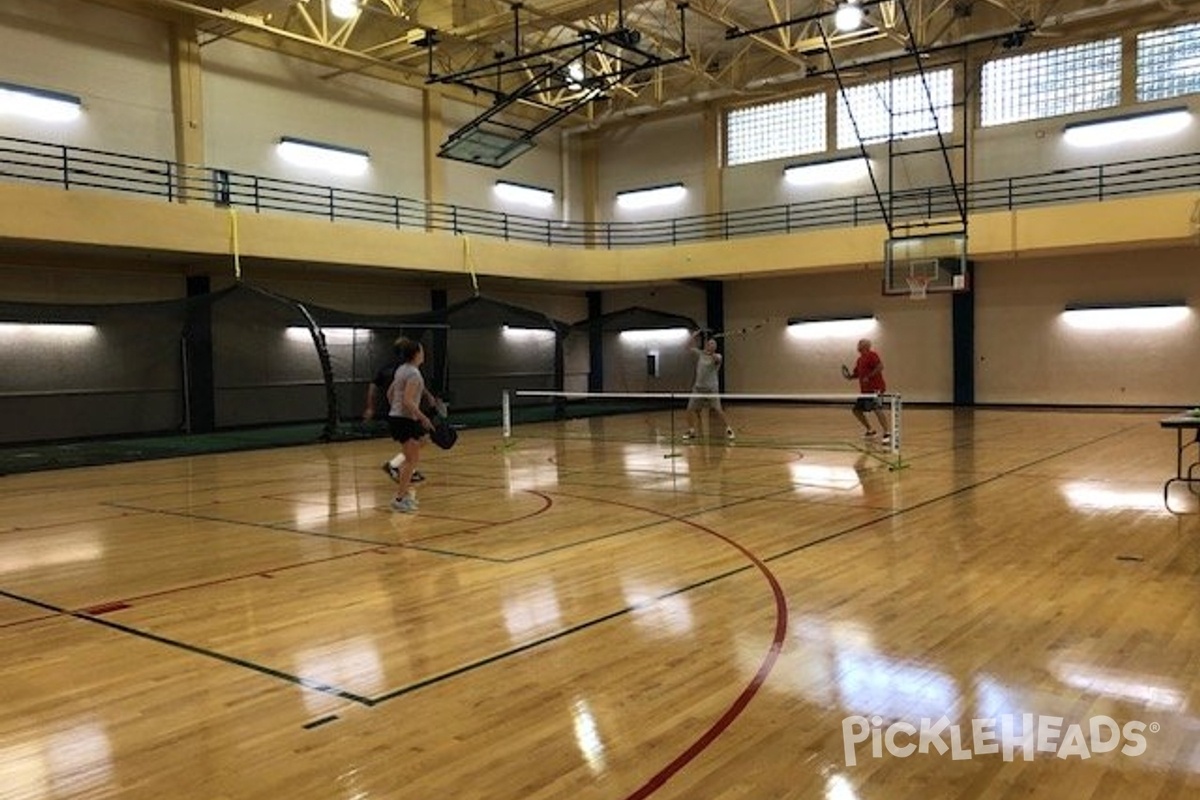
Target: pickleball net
[[794, 421]]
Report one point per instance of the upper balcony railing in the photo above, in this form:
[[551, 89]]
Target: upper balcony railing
[[81, 168]]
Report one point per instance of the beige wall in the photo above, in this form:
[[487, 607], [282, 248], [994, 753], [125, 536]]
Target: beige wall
[[640, 155], [914, 338], [123, 74], [1026, 354], [295, 98]]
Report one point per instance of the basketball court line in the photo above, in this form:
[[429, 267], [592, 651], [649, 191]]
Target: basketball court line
[[49, 525], [277, 527], [59, 612], [790, 488], [674, 765], [194, 649], [266, 572], [343, 693], [27, 621]]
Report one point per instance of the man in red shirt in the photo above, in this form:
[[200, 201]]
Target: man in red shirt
[[869, 371]]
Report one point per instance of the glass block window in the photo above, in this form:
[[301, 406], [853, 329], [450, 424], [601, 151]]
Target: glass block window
[[1168, 62], [897, 109], [1049, 83], [775, 130]]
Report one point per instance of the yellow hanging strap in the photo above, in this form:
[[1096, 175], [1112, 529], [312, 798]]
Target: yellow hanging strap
[[233, 244], [469, 264]]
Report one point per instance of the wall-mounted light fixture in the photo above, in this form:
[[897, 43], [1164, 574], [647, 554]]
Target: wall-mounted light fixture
[[830, 327], [517, 333], [48, 331], [848, 17], [651, 196], [841, 170], [39, 104], [1127, 128], [1126, 316], [328, 157], [300, 333], [526, 195], [647, 335]]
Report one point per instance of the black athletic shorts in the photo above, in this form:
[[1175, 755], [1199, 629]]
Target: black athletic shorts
[[867, 403], [404, 429]]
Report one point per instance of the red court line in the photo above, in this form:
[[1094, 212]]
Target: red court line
[[483, 525], [227, 579], [739, 704]]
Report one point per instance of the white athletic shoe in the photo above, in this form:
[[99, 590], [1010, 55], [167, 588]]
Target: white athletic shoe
[[729, 434], [404, 505], [689, 434]]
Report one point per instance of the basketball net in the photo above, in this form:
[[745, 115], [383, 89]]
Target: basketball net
[[917, 287]]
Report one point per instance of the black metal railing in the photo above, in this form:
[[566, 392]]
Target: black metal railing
[[72, 168]]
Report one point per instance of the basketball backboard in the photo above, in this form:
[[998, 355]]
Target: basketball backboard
[[932, 263]]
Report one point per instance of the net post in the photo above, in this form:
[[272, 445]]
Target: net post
[[897, 405], [506, 415], [673, 452]]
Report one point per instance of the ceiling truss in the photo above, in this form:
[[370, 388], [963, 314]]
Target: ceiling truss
[[685, 52]]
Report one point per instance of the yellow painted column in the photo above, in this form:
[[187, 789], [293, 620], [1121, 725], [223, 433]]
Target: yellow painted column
[[435, 168], [187, 101], [589, 183], [714, 189]]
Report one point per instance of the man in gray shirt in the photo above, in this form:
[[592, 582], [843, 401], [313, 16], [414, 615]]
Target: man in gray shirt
[[706, 387]]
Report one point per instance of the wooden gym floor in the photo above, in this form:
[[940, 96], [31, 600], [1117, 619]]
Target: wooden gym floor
[[583, 616]]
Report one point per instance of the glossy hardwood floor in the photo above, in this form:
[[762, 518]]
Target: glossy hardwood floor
[[580, 615]]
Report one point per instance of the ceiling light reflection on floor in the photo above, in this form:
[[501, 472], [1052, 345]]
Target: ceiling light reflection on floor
[[1085, 496]]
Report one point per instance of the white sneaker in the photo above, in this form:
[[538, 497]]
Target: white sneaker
[[729, 434], [404, 505], [887, 439], [689, 434]]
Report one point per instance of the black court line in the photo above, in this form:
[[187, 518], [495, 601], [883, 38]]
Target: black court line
[[124, 514], [275, 527], [306, 683], [265, 572], [316, 723], [27, 621], [279, 527], [441, 677]]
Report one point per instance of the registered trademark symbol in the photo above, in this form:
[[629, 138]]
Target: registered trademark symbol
[[1155, 727]]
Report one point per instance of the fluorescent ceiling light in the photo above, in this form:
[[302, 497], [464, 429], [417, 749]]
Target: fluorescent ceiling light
[[1133, 317], [327, 157], [299, 333], [517, 333], [654, 196], [1130, 128], [844, 327], [344, 9], [643, 336], [849, 16], [527, 195], [39, 104], [52, 331], [843, 170]]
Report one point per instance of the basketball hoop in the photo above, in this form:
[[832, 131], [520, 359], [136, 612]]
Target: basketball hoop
[[918, 287]]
